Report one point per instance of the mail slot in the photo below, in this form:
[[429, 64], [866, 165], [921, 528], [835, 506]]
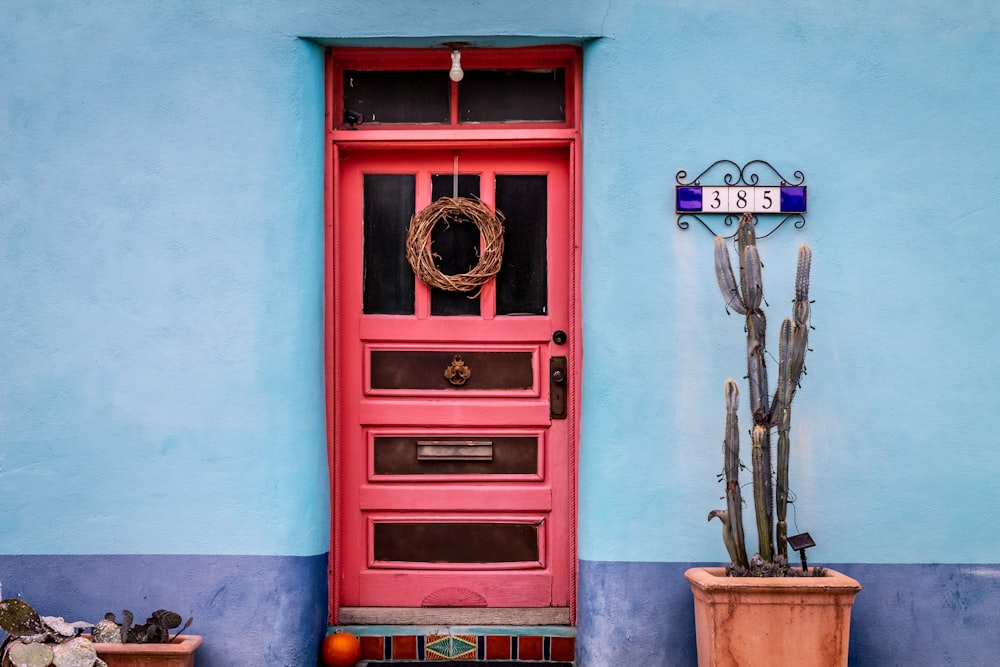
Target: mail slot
[[449, 450]]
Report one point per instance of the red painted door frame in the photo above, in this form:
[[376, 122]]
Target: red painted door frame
[[564, 138]]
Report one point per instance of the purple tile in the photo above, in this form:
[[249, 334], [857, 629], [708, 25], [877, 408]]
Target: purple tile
[[688, 199], [793, 199]]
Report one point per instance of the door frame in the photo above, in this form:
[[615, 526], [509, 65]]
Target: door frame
[[519, 135]]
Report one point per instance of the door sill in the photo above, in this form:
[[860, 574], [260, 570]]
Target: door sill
[[454, 616]]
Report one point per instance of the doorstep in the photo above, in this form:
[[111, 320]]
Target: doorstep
[[502, 645]]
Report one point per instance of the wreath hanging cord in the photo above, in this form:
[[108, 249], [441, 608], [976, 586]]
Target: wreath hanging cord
[[456, 210]]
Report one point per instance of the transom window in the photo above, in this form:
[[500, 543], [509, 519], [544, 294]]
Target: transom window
[[380, 88]]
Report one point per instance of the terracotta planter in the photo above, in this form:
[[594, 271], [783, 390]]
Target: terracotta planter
[[178, 653], [743, 621]]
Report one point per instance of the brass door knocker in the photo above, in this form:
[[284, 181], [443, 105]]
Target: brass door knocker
[[457, 372]]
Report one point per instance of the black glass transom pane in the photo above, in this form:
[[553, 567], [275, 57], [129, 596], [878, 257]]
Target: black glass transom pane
[[522, 284], [411, 96], [388, 280], [456, 542], [457, 246], [499, 96]]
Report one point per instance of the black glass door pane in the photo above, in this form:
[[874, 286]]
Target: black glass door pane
[[411, 96], [389, 202], [456, 542], [457, 246], [511, 455], [498, 96], [522, 284]]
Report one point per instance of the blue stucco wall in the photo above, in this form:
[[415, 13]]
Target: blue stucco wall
[[250, 610], [161, 284]]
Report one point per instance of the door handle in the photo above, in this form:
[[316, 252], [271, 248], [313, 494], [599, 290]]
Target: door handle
[[457, 372], [558, 379]]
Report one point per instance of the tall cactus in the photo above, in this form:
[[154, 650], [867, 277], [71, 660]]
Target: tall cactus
[[745, 296]]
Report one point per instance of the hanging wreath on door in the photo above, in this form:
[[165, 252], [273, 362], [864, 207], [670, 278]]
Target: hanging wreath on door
[[455, 210]]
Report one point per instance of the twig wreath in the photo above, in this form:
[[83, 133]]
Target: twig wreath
[[455, 210]]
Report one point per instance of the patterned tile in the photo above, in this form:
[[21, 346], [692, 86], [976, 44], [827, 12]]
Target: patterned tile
[[450, 647]]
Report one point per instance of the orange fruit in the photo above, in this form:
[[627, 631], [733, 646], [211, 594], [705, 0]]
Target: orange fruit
[[340, 649]]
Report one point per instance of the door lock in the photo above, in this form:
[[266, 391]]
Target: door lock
[[557, 387]]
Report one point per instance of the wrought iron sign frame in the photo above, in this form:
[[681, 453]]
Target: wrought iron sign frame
[[745, 189]]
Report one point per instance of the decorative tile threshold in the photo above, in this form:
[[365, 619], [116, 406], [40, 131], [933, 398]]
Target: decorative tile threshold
[[500, 646]]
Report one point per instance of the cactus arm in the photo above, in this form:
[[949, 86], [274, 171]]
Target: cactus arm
[[746, 234], [727, 536], [760, 410], [724, 276], [800, 310], [780, 410], [781, 490], [800, 321], [731, 451], [792, 345], [757, 365], [761, 500], [751, 285]]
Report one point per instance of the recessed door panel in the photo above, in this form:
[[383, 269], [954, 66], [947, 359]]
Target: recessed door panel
[[489, 454]]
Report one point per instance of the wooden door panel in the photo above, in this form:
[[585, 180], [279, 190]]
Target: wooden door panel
[[476, 589], [502, 330], [483, 412], [430, 497]]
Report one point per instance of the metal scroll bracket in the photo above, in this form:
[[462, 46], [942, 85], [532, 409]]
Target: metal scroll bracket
[[756, 188]]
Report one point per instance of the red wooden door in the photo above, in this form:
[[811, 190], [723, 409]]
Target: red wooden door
[[453, 495]]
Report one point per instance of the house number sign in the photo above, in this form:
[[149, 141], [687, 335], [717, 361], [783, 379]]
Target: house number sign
[[725, 191]]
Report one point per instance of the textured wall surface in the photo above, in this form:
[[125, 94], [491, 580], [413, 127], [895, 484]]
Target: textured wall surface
[[933, 615], [250, 610], [161, 284]]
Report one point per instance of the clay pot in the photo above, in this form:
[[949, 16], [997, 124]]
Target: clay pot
[[742, 621], [178, 653]]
